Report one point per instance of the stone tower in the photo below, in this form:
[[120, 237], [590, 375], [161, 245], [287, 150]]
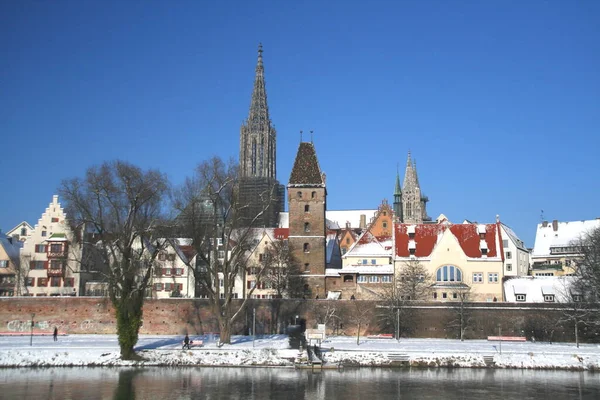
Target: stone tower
[[414, 203], [258, 186], [307, 203]]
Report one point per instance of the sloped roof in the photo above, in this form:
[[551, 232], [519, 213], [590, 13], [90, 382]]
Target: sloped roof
[[371, 245], [565, 234], [11, 247], [306, 170], [534, 288], [427, 235]]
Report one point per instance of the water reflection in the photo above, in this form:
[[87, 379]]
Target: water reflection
[[290, 384]]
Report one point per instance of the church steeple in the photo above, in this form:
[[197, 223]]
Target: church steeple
[[413, 203], [257, 134], [398, 198]]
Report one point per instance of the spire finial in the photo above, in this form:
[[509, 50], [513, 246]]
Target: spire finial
[[300, 136], [311, 136]]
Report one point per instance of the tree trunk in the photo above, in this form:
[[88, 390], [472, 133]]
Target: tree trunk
[[129, 322], [358, 335], [576, 333]]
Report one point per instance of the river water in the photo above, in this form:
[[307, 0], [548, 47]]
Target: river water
[[284, 383]]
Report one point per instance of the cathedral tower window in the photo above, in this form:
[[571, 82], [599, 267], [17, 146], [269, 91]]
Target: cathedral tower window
[[306, 227], [306, 248], [306, 208]]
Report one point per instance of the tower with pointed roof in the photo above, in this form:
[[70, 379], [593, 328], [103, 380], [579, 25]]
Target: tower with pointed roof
[[414, 203], [307, 203], [258, 187], [398, 199]]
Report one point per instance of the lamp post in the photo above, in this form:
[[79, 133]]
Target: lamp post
[[500, 337], [253, 325], [296, 320], [31, 336]]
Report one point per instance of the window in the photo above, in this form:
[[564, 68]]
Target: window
[[69, 282], [219, 241], [40, 248], [44, 233], [169, 287], [509, 267], [505, 243], [444, 295], [493, 277], [23, 231], [56, 264], [178, 271], [3, 263], [384, 213], [162, 257], [55, 282], [435, 295], [313, 195], [166, 271], [306, 208], [251, 284], [385, 224], [221, 282], [477, 277], [361, 279], [412, 251], [549, 298], [348, 278], [454, 295], [171, 257], [577, 297], [520, 297], [508, 255], [306, 227], [373, 261], [373, 279], [37, 265], [306, 248], [347, 240], [158, 287], [306, 266], [29, 281], [386, 279], [484, 252], [299, 194], [42, 282], [449, 273]]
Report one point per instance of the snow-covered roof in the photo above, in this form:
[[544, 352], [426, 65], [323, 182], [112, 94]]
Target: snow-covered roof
[[513, 236], [534, 288], [335, 219], [560, 234], [11, 246], [361, 269]]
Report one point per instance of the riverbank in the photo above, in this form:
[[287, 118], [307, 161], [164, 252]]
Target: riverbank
[[274, 351]]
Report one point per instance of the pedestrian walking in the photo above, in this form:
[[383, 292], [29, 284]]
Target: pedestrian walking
[[55, 334], [186, 342]]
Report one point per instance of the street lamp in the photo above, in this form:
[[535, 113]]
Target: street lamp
[[296, 320], [31, 336]]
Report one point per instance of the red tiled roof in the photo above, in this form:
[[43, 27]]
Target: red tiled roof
[[426, 236]]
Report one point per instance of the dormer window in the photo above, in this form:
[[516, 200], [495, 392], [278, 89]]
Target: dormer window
[[520, 297], [549, 298], [484, 252], [412, 252]]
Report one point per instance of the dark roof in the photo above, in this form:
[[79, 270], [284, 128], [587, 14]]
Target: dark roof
[[306, 169]]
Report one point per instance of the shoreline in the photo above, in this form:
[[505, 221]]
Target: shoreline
[[272, 351]]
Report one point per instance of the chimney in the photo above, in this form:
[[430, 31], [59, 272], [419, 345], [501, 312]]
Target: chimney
[[544, 224], [348, 225], [555, 225], [363, 221]]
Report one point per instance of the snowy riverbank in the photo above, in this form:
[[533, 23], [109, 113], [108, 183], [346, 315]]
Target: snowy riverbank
[[102, 350]]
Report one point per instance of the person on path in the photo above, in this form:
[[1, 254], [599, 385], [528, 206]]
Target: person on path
[[55, 334], [186, 341]]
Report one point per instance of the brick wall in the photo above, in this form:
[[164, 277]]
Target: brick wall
[[176, 316]]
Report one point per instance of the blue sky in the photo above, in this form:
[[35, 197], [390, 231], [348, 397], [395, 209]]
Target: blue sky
[[498, 101]]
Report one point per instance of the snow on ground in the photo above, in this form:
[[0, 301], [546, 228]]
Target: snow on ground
[[273, 350]]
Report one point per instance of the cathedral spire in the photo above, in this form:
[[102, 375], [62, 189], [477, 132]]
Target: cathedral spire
[[398, 198], [257, 135]]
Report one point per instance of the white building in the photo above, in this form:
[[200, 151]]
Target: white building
[[52, 258], [174, 270], [21, 231], [516, 255], [556, 251]]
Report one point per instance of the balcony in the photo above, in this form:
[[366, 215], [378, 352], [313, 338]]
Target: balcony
[[56, 272], [57, 254], [556, 266]]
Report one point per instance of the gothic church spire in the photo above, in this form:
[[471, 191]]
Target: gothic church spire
[[257, 134]]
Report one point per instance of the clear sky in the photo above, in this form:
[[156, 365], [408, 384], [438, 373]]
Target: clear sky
[[498, 101]]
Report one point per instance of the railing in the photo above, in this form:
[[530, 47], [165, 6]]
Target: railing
[[55, 272], [556, 266], [57, 254]]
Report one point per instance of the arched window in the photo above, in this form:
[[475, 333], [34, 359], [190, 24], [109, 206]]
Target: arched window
[[448, 273]]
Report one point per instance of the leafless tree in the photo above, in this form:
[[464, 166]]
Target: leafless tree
[[414, 281], [393, 310], [462, 313], [21, 274], [282, 271], [360, 315], [119, 205], [588, 268], [577, 312], [211, 215]]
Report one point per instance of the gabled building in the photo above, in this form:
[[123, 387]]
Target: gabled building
[[20, 232], [367, 266], [545, 289], [10, 271], [458, 256], [556, 249], [516, 255], [174, 270], [307, 204], [52, 257]]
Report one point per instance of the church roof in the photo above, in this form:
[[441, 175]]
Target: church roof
[[306, 170]]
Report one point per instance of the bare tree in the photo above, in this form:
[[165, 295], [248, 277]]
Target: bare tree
[[211, 215], [119, 205], [462, 313], [282, 270], [577, 312], [360, 315], [587, 272], [414, 281], [21, 274], [394, 310]]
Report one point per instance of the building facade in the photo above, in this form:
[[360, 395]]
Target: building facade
[[410, 204], [10, 271]]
